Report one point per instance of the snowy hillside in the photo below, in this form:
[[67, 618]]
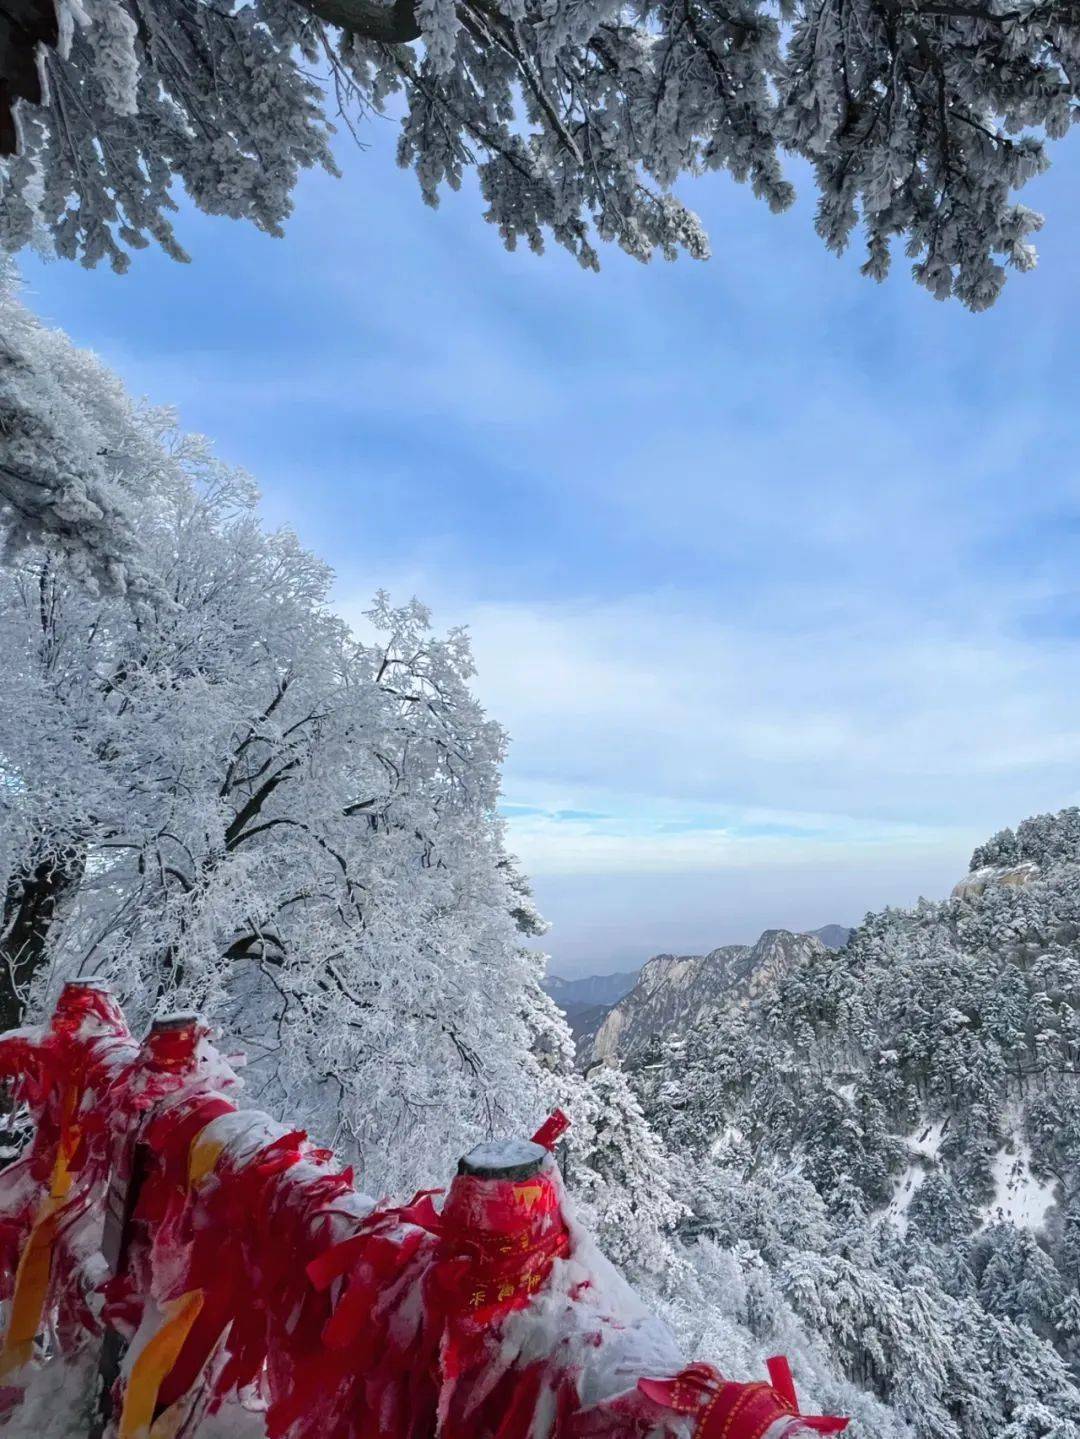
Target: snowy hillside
[[924, 1080]]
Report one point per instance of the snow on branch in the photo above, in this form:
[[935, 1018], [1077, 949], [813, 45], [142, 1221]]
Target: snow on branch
[[63, 478], [578, 118]]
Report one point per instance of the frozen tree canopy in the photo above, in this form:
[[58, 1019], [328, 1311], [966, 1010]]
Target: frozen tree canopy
[[920, 118], [216, 795], [73, 450]]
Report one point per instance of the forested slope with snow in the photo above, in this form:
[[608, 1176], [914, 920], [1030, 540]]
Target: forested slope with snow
[[924, 1080]]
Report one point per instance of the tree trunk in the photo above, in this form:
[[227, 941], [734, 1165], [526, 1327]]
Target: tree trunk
[[34, 895], [33, 898]]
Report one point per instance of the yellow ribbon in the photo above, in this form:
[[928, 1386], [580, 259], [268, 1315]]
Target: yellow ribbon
[[162, 1350], [35, 1262], [35, 1267], [203, 1156], [156, 1359]]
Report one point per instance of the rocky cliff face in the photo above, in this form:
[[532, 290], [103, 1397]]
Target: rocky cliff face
[[675, 991], [1014, 876]]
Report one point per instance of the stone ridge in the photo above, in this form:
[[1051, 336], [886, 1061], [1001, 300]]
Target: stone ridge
[[674, 991]]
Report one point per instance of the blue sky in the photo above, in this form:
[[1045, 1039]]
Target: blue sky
[[771, 572]]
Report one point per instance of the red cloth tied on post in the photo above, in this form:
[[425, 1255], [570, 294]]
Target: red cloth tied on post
[[502, 1237], [419, 1300], [249, 1261], [53, 1070], [723, 1409], [177, 1087], [241, 1280], [487, 1319], [231, 1208], [166, 1100], [59, 1072]]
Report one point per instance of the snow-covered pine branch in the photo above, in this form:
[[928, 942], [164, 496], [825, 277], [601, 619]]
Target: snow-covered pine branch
[[921, 118]]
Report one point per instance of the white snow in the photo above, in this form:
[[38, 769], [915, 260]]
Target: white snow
[[1019, 1197], [927, 1140], [923, 1146], [505, 1153], [730, 1135]]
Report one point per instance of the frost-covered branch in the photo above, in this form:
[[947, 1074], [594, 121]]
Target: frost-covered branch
[[578, 118], [60, 479]]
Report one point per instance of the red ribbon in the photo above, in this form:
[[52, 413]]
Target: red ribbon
[[727, 1410], [390, 1325], [552, 1129]]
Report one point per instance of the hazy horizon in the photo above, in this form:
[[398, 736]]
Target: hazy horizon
[[608, 944]]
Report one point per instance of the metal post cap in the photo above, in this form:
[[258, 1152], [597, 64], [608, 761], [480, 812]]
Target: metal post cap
[[165, 1023], [503, 1159]]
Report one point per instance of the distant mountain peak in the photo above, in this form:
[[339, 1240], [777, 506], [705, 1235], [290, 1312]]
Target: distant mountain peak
[[591, 988], [674, 991], [589, 1002], [833, 936]]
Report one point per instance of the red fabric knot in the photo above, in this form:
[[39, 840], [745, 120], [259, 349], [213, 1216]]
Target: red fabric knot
[[174, 1048], [725, 1409], [511, 1232]]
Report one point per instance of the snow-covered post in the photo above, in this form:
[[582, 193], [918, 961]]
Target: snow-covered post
[[543, 1338], [170, 1038], [48, 1191], [505, 1207]]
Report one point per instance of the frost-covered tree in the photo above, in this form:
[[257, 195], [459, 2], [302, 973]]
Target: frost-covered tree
[[1042, 839], [73, 449], [728, 1301], [880, 1309], [216, 795], [920, 119], [1018, 1279], [623, 1175]]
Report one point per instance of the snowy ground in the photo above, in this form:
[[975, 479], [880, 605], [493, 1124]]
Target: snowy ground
[[1020, 1197]]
